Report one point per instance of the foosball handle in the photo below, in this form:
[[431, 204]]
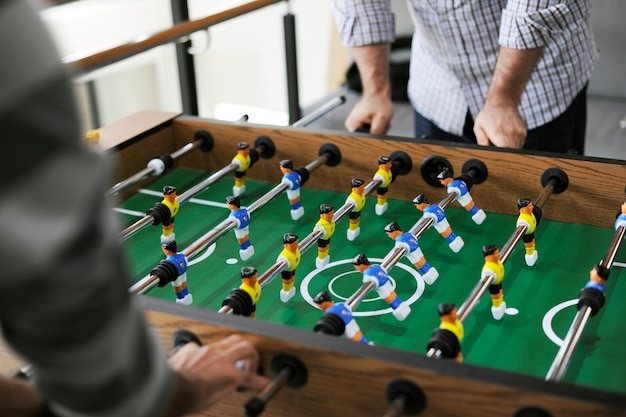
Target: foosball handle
[[404, 397], [288, 370]]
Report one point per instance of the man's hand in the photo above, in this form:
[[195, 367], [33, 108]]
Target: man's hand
[[500, 125], [375, 111], [209, 373]]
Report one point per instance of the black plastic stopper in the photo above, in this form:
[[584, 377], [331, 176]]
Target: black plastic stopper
[[557, 177], [206, 138], [332, 153], [432, 166], [414, 398], [268, 149]]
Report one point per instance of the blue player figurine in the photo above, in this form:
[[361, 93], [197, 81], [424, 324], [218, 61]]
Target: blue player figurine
[[435, 212], [377, 275], [413, 252], [292, 179], [463, 196], [598, 277], [241, 217], [620, 221], [342, 311], [179, 261]]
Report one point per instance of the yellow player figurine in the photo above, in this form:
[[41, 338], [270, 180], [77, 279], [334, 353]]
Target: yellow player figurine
[[494, 269], [450, 322], [384, 175], [291, 257], [357, 198], [251, 286], [529, 216], [326, 225], [243, 300], [242, 160], [170, 200]]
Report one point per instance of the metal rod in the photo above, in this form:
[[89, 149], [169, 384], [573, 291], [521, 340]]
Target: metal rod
[[511, 243], [273, 386], [545, 194], [564, 355], [614, 246], [470, 302], [134, 179], [319, 112], [356, 298], [397, 407]]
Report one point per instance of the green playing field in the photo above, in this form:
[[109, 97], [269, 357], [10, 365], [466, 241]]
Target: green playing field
[[540, 299]]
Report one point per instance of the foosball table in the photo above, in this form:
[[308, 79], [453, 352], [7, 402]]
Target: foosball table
[[508, 362]]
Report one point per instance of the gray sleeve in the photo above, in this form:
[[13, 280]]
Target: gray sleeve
[[64, 301]]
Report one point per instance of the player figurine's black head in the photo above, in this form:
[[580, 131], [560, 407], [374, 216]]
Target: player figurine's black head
[[383, 160], [326, 208], [170, 246], [392, 227], [289, 238], [169, 189], [445, 308], [322, 297], [286, 163], [602, 271], [523, 202], [234, 200], [444, 174], [242, 145], [248, 271], [356, 182], [421, 199], [489, 249], [360, 259]]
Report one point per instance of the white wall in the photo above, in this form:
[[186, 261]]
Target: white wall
[[243, 69]]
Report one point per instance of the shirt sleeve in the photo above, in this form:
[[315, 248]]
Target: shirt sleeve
[[532, 24], [363, 23], [64, 301]]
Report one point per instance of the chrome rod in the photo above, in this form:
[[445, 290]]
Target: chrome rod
[[319, 112]]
